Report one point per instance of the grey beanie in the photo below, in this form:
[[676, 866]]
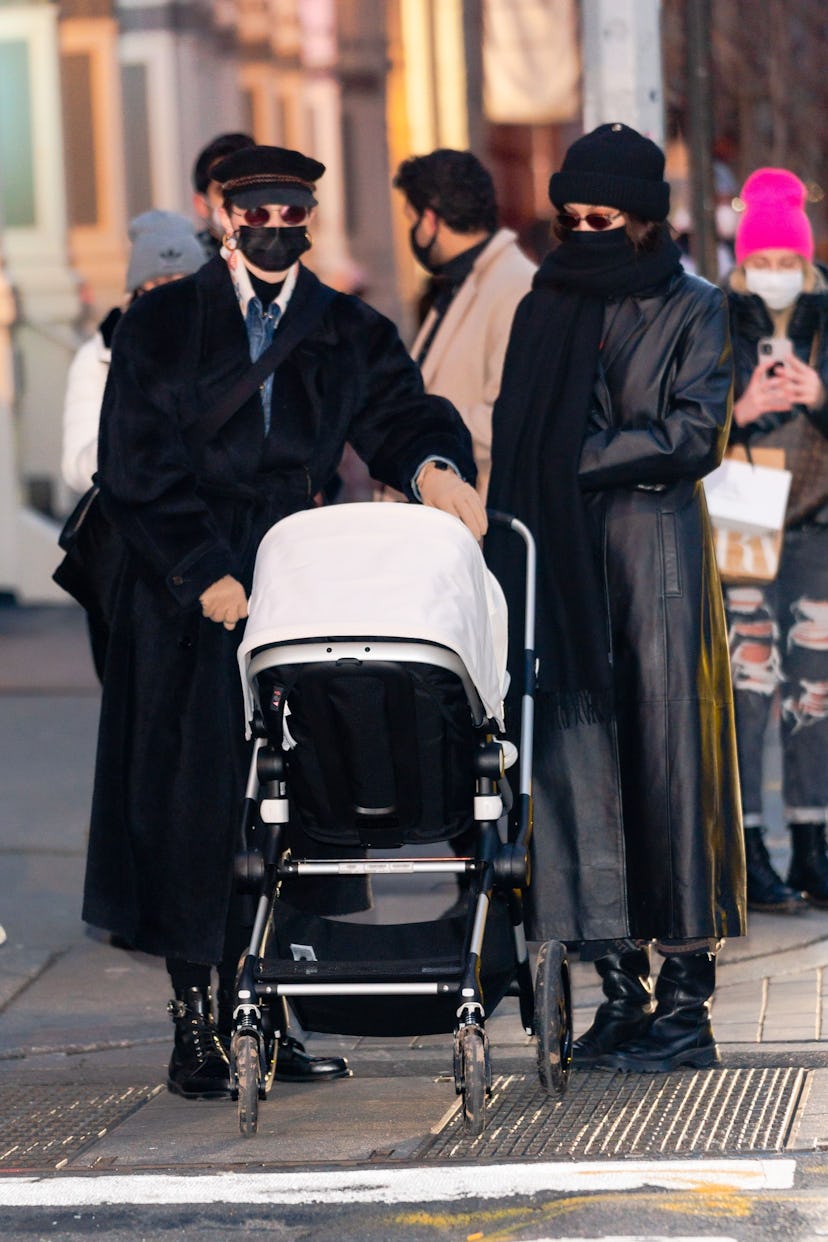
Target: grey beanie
[[163, 244]]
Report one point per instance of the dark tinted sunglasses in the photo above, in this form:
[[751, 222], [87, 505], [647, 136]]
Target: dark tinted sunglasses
[[595, 219], [282, 216]]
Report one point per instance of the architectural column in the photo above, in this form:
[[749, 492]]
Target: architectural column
[[427, 108], [179, 83], [622, 65], [9, 486], [93, 134], [34, 219]]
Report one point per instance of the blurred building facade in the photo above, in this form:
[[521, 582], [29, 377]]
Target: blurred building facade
[[105, 103]]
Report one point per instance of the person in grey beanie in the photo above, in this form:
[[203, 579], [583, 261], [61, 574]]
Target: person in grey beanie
[[163, 248]]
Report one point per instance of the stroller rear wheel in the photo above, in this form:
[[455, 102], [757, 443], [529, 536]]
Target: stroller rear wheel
[[474, 1078], [553, 1018], [247, 1073]]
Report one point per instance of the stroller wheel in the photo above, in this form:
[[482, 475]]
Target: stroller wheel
[[553, 1018], [473, 1060], [247, 1072]]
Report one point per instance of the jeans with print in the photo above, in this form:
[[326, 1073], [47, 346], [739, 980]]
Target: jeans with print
[[779, 639]]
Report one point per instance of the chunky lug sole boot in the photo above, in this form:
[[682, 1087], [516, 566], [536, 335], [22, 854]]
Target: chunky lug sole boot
[[680, 1032], [627, 1011], [809, 863], [765, 889], [199, 1069]]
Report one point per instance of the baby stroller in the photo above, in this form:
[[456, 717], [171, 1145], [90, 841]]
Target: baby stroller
[[374, 672]]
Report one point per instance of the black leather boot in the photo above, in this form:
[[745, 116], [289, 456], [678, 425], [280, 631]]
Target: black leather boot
[[809, 863], [293, 1063], [626, 1012], [680, 1032], [765, 889], [199, 1069]]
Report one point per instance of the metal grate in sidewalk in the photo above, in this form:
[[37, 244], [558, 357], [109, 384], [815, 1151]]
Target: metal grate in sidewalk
[[612, 1115], [43, 1128]]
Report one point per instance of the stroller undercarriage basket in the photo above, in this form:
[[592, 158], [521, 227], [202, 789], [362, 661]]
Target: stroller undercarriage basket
[[431, 955], [384, 742]]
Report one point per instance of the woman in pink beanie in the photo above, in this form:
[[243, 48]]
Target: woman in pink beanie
[[779, 633]]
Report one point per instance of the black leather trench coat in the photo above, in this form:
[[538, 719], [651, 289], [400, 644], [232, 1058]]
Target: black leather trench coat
[[172, 758], [638, 823]]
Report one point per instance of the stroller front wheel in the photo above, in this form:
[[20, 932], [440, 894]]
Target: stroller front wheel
[[474, 1078], [247, 1073]]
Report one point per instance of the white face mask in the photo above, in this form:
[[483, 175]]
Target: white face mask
[[776, 289]]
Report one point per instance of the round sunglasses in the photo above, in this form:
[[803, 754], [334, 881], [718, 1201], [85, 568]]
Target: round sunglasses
[[282, 216], [595, 219]]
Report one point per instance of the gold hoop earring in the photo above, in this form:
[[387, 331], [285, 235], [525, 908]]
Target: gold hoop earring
[[229, 241]]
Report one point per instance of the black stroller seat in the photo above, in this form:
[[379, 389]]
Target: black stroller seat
[[383, 751]]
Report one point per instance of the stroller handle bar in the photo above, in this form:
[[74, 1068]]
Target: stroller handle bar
[[527, 706], [506, 519]]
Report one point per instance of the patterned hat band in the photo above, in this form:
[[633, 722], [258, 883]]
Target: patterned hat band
[[254, 179]]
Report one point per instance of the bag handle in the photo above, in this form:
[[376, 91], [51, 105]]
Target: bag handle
[[815, 348]]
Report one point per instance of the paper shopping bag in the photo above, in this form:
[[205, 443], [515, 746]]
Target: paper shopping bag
[[748, 496], [750, 558]]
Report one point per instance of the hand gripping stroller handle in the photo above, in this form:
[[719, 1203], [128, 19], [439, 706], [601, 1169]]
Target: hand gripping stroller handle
[[527, 706]]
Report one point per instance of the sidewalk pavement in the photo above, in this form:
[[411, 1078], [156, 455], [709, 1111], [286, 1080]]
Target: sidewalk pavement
[[76, 1012]]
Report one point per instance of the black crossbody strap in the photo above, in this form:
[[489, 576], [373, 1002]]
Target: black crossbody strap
[[287, 336]]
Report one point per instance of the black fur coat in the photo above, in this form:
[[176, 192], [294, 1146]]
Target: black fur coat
[[172, 759]]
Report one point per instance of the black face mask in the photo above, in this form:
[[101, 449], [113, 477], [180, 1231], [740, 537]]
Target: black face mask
[[272, 249], [422, 253]]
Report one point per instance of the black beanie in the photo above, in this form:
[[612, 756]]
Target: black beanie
[[614, 166]]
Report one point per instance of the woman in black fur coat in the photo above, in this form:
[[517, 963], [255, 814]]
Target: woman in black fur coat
[[192, 507]]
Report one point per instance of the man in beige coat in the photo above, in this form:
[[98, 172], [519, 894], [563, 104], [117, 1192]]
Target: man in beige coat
[[478, 277]]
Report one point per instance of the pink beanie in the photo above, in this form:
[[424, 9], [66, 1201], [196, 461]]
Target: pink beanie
[[774, 216]]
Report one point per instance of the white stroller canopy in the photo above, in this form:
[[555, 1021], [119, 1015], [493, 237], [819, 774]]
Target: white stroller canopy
[[380, 571]]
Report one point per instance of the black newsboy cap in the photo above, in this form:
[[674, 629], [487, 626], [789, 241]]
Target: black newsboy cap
[[257, 175]]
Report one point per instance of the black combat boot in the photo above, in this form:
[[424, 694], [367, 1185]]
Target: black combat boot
[[809, 863], [199, 1069], [680, 1032], [293, 1063], [765, 889], [626, 1012]]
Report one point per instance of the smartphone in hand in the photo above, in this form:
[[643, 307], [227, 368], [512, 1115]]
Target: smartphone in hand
[[774, 351]]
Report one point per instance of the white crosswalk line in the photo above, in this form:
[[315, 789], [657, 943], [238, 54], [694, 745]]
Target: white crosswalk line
[[435, 1183]]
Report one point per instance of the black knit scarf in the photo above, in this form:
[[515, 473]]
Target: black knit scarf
[[539, 423]]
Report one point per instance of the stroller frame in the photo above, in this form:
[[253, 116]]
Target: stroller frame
[[500, 865]]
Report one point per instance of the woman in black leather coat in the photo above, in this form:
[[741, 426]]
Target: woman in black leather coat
[[615, 403]]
